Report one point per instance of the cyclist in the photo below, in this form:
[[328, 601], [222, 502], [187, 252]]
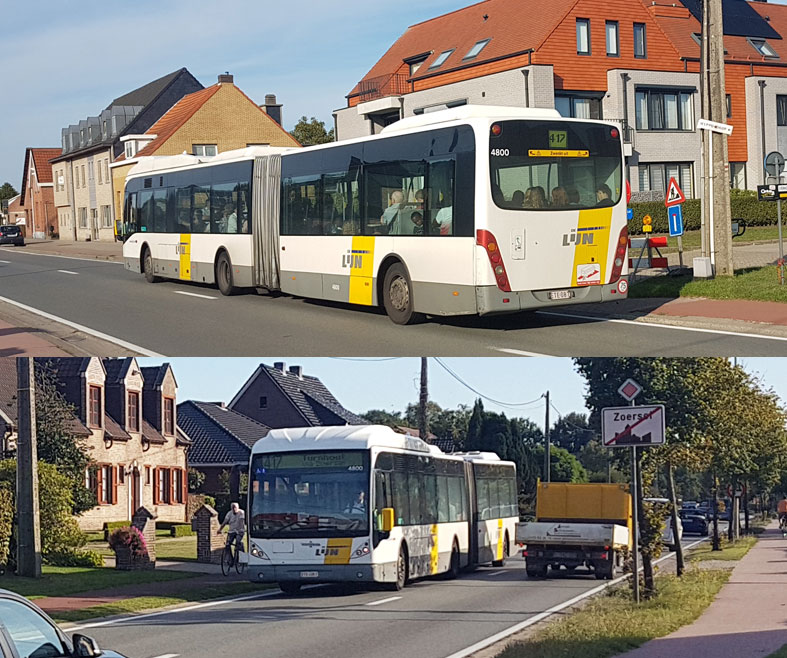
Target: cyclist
[[781, 508], [235, 520]]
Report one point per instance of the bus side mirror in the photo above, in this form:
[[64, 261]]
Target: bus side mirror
[[388, 519]]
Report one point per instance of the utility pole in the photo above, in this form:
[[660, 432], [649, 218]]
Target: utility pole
[[28, 546], [721, 238], [546, 442], [423, 423], [704, 134]]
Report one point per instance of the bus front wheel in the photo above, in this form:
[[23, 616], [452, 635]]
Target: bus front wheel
[[224, 274], [147, 266], [398, 296], [401, 571]]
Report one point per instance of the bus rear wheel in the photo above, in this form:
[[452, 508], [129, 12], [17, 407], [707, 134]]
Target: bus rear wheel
[[147, 266], [398, 296], [224, 275], [500, 563], [455, 567]]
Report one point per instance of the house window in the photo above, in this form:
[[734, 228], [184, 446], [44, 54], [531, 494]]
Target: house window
[[763, 47], [169, 416], [147, 474], [781, 110], [729, 105], [104, 128], [613, 44], [583, 36], [91, 481], [100, 173], [476, 49], [578, 107], [121, 474], [164, 486], [105, 496], [663, 109], [204, 149], [738, 175], [94, 217], [106, 170], [106, 217], [83, 218], [133, 411], [130, 150], [414, 66], [263, 401], [178, 485], [94, 408], [441, 59], [656, 177], [640, 41], [84, 183]]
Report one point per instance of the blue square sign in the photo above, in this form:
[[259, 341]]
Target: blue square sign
[[675, 216]]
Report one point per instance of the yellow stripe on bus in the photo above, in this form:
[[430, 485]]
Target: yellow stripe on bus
[[592, 247], [499, 539], [184, 249], [362, 270], [433, 553], [338, 551]]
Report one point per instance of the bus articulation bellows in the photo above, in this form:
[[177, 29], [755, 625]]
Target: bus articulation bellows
[[363, 504], [471, 210]]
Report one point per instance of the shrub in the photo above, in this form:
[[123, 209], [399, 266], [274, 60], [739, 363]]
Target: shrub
[[110, 526], [74, 558], [132, 538], [6, 521], [210, 500], [181, 530]]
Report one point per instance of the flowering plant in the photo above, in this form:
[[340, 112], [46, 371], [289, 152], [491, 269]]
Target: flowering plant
[[131, 538]]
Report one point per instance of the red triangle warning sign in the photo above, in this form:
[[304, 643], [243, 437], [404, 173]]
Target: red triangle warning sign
[[674, 194]]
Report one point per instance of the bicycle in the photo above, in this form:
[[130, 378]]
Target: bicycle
[[230, 559], [783, 525]]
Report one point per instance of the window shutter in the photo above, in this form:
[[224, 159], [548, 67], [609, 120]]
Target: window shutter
[[156, 476], [114, 472], [99, 484], [185, 483]]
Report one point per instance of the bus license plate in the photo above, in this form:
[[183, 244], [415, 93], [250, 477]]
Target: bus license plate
[[310, 574], [561, 294]]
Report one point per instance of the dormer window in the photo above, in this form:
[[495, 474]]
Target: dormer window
[[441, 59], [133, 411], [476, 49], [94, 407], [169, 416], [414, 66], [131, 149], [763, 47]]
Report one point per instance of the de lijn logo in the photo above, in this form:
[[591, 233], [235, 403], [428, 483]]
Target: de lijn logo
[[354, 258], [581, 236]]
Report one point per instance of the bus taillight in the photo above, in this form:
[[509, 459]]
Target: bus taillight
[[489, 243], [620, 254]]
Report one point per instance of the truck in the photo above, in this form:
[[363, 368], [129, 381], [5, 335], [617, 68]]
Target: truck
[[578, 525]]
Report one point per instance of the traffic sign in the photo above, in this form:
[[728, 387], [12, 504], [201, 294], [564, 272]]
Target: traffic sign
[[774, 164], [629, 389], [647, 224], [674, 194], [713, 126], [739, 492], [632, 426], [772, 192], [675, 216]]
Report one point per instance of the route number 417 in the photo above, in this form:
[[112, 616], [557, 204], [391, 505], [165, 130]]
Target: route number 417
[[558, 139]]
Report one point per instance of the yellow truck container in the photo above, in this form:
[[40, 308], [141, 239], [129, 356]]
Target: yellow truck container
[[583, 503]]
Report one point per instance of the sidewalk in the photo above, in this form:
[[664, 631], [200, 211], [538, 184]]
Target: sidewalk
[[748, 617], [25, 341], [100, 250]]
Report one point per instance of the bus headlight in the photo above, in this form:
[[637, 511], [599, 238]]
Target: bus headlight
[[257, 552]]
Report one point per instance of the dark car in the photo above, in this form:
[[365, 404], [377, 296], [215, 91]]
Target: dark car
[[10, 234], [26, 631], [694, 522]]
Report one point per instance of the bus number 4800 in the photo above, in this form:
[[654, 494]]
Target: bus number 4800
[[500, 153]]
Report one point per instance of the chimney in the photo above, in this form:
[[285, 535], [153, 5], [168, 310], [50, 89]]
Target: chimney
[[272, 108], [297, 371], [226, 77], [279, 365]]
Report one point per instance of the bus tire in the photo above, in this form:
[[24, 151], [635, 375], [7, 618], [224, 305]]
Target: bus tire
[[402, 570], [500, 563], [290, 587], [398, 296], [147, 266], [455, 565], [224, 275]]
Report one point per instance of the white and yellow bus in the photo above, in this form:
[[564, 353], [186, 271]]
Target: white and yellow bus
[[363, 504], [471, 210]]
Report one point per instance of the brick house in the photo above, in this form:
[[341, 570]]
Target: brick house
[[127, 418], [17, 213], [207, 122], [632, 62], [37, 193], [83, 190]]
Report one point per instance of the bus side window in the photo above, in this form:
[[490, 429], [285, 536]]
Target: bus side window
[[440, 200], [244, 203], [382, 498]]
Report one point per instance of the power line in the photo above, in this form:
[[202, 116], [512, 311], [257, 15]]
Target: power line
[[568, 422], [513, 405]]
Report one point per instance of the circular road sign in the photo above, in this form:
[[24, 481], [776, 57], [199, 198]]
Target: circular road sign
[[774, 164]]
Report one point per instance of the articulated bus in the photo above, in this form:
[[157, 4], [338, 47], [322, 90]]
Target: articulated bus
[[363, 504], [471, 210]]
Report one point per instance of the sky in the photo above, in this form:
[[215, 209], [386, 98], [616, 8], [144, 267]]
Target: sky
[[64, 61], [391, 384]]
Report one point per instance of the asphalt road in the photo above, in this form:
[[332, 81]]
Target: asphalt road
[[429, 619], [175, 319]]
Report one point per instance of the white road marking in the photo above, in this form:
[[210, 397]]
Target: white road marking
[[193, 294], [469, 651], [98, 334], [89, 260], [388, 600], [496, 573], [67, 272], [520, 352], [7, 262], [656, 325], [168, 655]]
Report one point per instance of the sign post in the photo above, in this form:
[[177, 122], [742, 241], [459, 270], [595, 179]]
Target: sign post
[[774, 165]]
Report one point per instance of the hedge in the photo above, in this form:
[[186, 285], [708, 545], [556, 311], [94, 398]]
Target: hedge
[[6, 522], [181, 530], [743, 203], [75, 558], [109, 526]]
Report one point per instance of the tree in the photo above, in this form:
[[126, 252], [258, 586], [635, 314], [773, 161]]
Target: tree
[[196, 478], [571, 432], [7, 191], [563, 466], [382, 417], [309, 133]]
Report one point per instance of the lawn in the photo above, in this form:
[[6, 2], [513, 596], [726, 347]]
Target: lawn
[[781, 653], [63, 581], [729, 551], [692, 240], [761, 284], [167, 548], [610, 625]]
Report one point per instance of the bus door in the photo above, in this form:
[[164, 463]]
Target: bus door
[[473, 513], [266, 203]]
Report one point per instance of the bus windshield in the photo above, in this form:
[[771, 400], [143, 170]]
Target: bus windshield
[[555, 165], [309, 494]]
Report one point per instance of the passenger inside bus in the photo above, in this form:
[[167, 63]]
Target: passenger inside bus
[[559, 198], [603, 195], [444, 216], [535, 197], [518, 199]]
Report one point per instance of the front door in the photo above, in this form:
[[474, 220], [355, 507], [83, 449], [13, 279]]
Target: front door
[[135, 502]]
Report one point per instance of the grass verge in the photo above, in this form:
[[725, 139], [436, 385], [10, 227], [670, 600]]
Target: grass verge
[[729, 551], [183, 549], [693, 239], [610, 625], [781, 653], [140, 603], [760, 284], [63, 581]]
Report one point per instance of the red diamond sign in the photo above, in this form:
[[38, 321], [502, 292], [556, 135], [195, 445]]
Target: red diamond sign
[[630, 389]]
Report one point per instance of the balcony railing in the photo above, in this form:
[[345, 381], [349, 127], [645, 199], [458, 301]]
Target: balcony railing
[[382, 86]]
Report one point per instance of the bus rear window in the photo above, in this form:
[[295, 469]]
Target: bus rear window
[[555, 165]]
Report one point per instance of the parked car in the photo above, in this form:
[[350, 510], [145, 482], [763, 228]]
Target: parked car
[[694, 522], [27, 631], [10, 234], [689, 504]]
